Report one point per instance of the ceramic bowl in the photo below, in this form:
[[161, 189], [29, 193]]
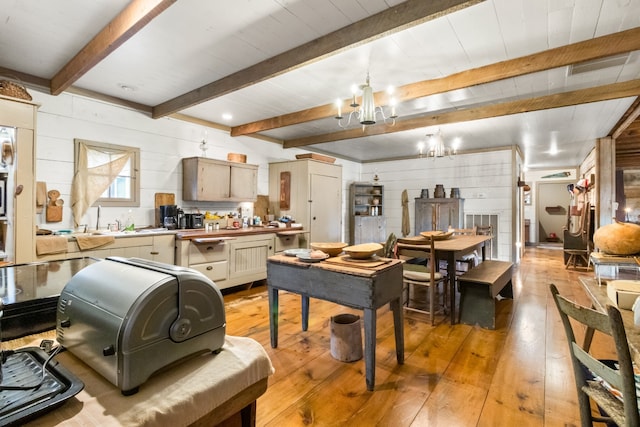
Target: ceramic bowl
[[363, 251], [329, 248]]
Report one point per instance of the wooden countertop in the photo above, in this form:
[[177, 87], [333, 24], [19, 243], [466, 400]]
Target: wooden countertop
[[201, 233]]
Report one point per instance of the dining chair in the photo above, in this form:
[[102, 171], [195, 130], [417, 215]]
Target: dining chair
[[486, 230], [421, 276], [594, 378], [470, 260]]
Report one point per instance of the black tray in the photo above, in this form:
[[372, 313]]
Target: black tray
[[24, 368]]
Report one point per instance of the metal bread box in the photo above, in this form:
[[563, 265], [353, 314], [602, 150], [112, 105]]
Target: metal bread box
[[128, 318]]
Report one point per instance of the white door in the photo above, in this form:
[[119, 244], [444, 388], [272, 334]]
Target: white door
[[325, 208]]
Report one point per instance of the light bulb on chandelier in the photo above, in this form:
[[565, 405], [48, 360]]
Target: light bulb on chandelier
[[437, 148], [366, 114]]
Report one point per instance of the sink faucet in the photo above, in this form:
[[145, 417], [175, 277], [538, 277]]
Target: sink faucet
[[98, 219]]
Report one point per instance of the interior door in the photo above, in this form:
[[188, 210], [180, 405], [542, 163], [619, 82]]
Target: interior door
[[553, 202], [325, 208]]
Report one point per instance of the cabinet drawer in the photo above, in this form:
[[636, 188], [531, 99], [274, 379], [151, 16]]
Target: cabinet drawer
[[287, 242], [216, 271], [207, 252]]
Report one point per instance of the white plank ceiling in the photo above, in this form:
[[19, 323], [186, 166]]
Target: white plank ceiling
[[196, 42]]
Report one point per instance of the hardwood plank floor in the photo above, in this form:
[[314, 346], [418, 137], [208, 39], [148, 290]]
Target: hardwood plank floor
[[519, 374]]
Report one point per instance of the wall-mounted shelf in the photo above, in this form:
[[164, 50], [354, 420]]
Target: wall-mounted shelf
[[555, 210]]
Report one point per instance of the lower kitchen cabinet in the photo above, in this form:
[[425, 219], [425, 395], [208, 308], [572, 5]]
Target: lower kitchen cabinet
[[236, 260], [291, 240], [159, 248], [164, 249], [248, 258]]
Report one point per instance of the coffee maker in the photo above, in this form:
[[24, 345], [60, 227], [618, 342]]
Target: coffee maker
[[169, 216]]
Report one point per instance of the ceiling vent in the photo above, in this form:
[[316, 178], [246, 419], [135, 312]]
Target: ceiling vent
[[598, 64]]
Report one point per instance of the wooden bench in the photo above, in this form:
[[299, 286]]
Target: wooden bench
[[479, 288]]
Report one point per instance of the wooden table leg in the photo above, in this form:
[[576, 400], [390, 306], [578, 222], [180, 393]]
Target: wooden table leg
[[398, 328], [273, 316], [370, 347], [305, 312], [451, 272]]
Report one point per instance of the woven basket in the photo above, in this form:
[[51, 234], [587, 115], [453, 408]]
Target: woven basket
[[9, 88]]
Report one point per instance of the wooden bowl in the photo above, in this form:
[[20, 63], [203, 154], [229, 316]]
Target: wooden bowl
[[329, 248], [363, 251], [437, 235]]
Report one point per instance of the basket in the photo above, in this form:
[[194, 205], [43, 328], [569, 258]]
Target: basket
[[9, 88], [238, 158]]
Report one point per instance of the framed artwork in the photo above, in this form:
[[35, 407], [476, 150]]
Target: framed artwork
[[285, 190]]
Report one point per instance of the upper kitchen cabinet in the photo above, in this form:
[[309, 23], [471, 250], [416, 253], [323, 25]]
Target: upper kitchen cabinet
[[17, 192], [311, 192], [210, 180]]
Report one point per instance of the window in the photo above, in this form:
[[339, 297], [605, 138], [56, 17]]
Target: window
[[109, 173]]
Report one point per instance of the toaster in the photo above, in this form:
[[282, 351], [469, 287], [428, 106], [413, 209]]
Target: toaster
[[195, 220], [127, 318]]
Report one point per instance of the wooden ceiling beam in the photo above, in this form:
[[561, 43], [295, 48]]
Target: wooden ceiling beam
[[132, 19], [389, 21], [564, 99], [613, 44], [628, 118]]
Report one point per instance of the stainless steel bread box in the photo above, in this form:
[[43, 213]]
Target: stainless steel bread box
[[127, 318]]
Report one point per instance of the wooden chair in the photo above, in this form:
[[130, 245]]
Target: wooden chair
[[419, 276], [467, 261], [578, 245], [622, 413], [486, 230]]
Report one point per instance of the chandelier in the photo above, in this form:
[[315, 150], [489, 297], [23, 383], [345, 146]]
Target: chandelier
[[437, 147], [366, 114]]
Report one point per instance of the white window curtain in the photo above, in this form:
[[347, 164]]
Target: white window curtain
[[89, 183]]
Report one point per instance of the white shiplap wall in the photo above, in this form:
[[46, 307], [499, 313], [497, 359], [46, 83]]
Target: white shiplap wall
[[484, 179], [163, 143]]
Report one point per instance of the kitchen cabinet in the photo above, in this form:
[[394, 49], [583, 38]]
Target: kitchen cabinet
[[291, 239], [17, 219], [366, 213], [163, 248], [311, 192], [210, 180], [159, 248], [438, 214], [248, 258], [208, 256], [235, 259]]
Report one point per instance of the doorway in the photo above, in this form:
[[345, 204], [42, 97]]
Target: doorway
[[553, 201]]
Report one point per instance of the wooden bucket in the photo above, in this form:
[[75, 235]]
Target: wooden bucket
[[238, 158], [346, 337]]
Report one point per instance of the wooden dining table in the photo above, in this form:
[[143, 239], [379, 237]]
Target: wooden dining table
[[448, 250], [599, 300]]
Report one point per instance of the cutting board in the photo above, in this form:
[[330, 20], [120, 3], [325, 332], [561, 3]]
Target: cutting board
[[165, 199], [261, 207], [349, 262]]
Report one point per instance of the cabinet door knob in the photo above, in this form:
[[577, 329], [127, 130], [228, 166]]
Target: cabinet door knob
[[209, 267], [154, 253]]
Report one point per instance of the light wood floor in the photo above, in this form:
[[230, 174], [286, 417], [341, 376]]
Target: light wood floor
[[517, 375]]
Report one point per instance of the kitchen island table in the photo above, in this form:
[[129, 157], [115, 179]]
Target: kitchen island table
[[359, 285]]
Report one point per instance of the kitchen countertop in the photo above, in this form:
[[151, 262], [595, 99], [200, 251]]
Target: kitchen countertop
[[249, 231]]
